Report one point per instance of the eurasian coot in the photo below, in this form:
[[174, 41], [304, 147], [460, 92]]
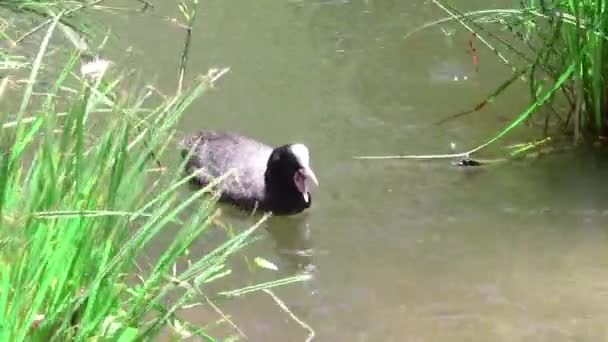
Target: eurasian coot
[[265, 178]]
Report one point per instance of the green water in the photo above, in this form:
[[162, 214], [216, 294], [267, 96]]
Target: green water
[[398, 250]]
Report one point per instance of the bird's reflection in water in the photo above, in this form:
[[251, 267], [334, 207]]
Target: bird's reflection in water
[[293, 241], [291, 236]]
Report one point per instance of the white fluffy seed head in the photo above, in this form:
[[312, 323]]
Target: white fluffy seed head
[[300, 151]]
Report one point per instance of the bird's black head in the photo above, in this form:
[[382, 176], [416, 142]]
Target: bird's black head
[[287, 174]]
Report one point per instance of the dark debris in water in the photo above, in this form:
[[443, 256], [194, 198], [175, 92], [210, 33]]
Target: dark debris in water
[[467, 162]]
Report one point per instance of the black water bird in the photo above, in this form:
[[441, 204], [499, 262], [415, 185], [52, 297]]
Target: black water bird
[[264, 178]]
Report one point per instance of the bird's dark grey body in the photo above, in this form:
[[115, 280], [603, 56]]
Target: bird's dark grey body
[[251, 185]]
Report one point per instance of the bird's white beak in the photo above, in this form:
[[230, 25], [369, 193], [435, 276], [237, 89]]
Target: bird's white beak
[[307, 171], [301, 178], [304, 173]]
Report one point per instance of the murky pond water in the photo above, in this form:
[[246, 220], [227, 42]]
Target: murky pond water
[[399, 250]]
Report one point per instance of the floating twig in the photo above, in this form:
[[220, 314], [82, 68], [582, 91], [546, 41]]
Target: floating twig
[[566, 75]]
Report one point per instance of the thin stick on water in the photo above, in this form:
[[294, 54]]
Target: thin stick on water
[[523, 116], [3, 86], [415, 156], [224, 317], [281, 304], [187, 40]]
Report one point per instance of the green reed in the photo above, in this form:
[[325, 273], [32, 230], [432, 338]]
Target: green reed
[[77, 209], [561, 46], [586, 46]]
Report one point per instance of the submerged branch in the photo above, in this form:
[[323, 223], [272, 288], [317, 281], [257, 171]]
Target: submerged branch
[[470, 29], [187, 41], [283, 306]]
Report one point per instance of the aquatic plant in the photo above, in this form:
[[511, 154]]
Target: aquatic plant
[[566, 41], [559, 47], [78, 209]]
